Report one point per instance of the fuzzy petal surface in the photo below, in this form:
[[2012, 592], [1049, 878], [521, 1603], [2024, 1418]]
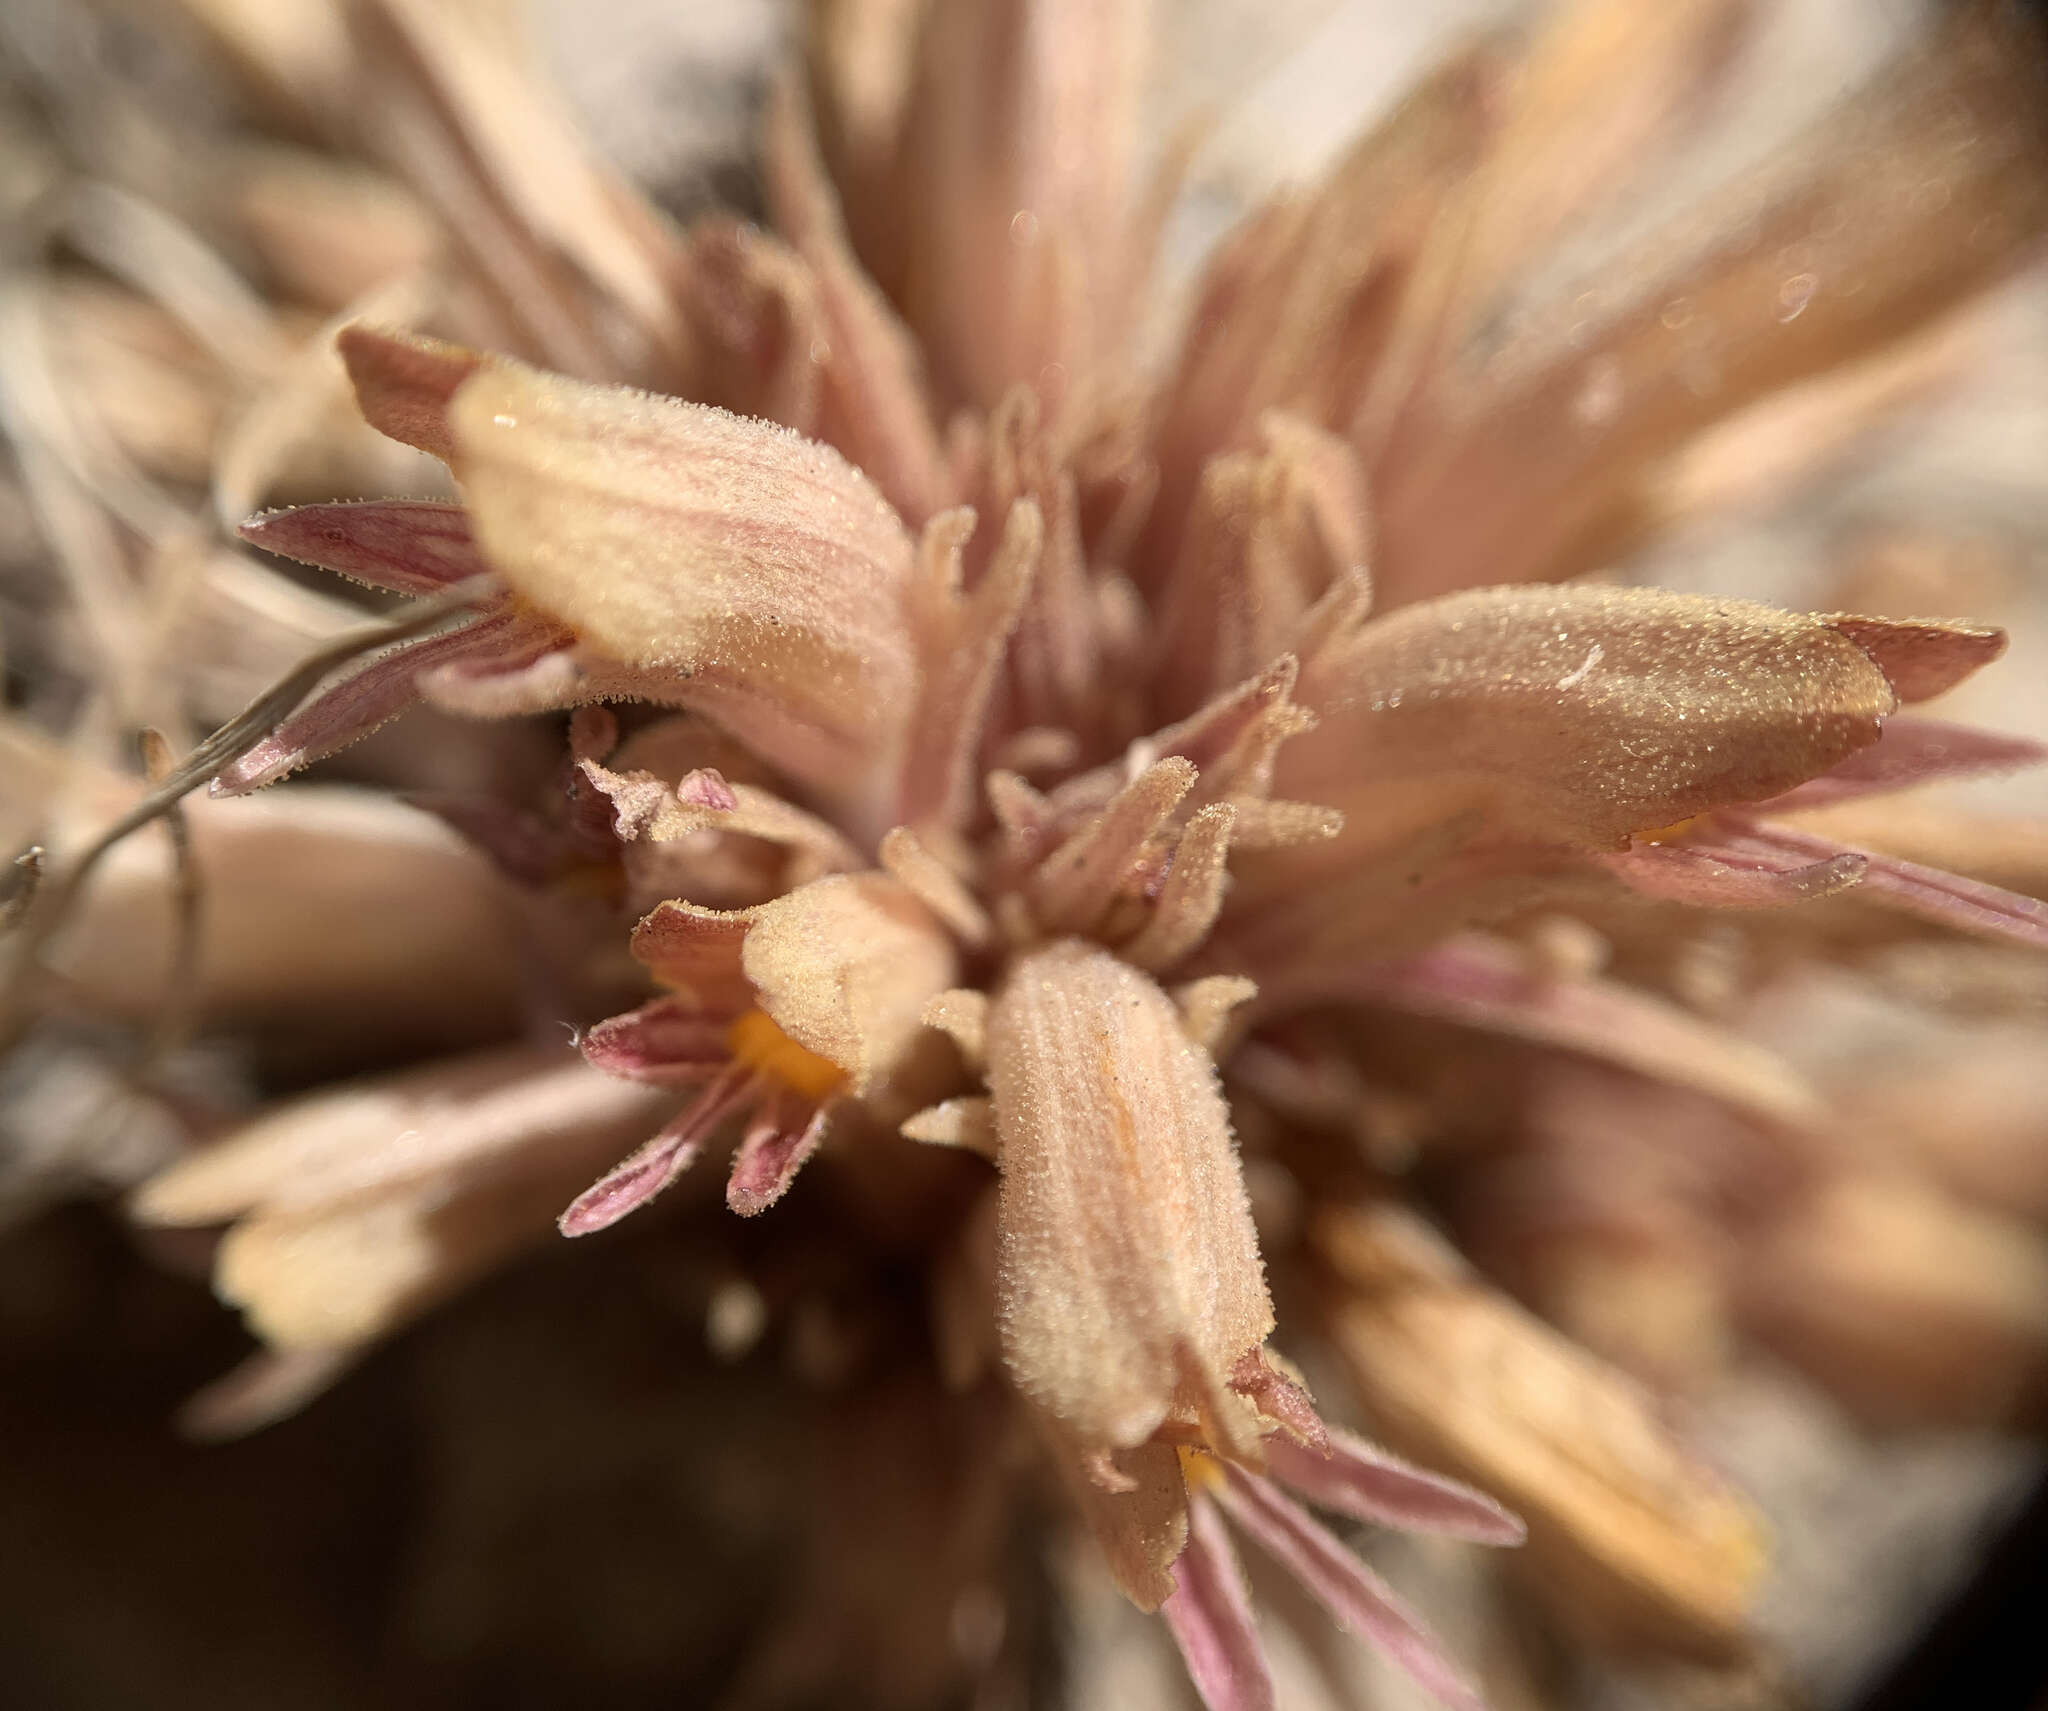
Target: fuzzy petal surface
[[1125, 1234], [759, 573], [1576, 716]]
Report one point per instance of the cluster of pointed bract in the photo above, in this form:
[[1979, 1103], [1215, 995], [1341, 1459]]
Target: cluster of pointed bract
[[1069, 732]]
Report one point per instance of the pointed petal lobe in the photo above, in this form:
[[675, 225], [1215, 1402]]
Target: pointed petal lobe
[[1210, 1618], [1350, 1591], [645, 1172], [772, 1151], [1909, 752], [1922, 659], [411, 546], [1371, 1484], [404, 382], [1947, 899]]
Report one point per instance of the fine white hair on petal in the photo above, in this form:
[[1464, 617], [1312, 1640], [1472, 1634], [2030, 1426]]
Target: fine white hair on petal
[[1126, 1239]]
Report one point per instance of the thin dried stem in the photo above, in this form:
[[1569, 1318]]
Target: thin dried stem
[[247, 728], [178, 1019]]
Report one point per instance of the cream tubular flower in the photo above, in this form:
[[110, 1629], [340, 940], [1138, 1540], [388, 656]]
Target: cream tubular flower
[[649, 548], [1131, 1280], [1173, 794]]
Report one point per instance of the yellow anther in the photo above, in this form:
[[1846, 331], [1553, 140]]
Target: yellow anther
[[757, 1042], [1199, 1471], [1667, 834]]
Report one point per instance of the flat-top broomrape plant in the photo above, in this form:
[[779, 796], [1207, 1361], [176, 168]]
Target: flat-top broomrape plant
[[981, 741]]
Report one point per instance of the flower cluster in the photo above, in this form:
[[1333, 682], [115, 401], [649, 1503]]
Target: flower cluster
[[981, 742]]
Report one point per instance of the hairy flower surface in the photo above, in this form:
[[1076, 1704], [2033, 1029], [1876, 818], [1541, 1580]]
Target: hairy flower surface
[[983, 742]]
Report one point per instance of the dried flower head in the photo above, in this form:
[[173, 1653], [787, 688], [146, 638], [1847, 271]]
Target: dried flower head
[[984, 742]]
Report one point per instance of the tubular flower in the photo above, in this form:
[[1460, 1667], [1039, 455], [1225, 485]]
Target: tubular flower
[[1008, 752], [779, 1010]]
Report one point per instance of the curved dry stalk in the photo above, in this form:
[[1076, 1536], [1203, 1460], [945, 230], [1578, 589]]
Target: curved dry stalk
[[49, 907]]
